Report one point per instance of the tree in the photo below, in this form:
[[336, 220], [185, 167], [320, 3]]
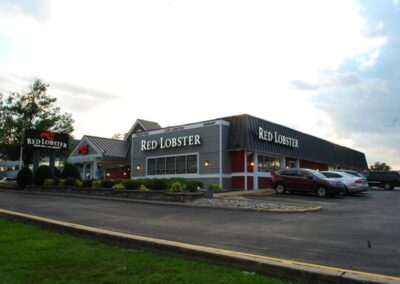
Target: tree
[[119, 136], [32, 109], [378, 166]]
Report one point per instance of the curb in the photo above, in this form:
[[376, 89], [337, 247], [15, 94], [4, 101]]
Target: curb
[[306, 272], [169, 203]]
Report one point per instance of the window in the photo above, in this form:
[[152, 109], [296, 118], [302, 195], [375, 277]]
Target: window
[[266, 164], [170, 165], [192, 164], [181, 164], [185, 164], [151, 167], [161, 166]]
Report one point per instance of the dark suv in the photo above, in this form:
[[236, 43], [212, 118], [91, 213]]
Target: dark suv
[[305, 180], [386, 180]]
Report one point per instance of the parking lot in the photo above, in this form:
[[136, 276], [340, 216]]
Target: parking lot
[[358, 232]]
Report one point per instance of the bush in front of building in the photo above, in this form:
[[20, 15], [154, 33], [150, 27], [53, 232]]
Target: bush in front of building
[[43, 172], [159, 184], [214, 187], [143, 188], [182, 181], [130, 184], [176, 187], [194, 186], [118, 186], [24, 177], [71, 181], [48, 182], [70, 171], [147, 182], [87, 183], [107, 183], [96, 183]]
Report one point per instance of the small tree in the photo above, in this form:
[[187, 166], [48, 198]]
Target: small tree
[[378, 166], [71, 171], [43, 172], [24, 177]]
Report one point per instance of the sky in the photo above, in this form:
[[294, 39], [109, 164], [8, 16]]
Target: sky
[[326, 68]]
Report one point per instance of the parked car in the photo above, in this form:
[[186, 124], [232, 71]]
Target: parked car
[[385, 179], [353, 183], [8, 180], [353, 173], [305, 180]]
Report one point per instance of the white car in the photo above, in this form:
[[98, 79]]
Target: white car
[[8, 180], [353, 184]]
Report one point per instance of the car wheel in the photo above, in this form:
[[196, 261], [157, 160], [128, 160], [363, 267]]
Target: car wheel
[[387, 186], [321, 191], [280, 189]]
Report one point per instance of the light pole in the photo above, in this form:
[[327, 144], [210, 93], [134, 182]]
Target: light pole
[[23, 105]]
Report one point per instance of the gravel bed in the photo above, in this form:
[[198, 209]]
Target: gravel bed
[[248, 204]]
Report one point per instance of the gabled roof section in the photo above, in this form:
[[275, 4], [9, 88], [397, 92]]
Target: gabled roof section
[[141, 125], [110, 147]]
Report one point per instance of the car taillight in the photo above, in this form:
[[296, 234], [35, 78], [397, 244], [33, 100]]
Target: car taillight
[[358, 181]]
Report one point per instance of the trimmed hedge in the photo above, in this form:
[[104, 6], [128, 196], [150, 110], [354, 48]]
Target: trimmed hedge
[[43, 172], [24, 177], [71, 171]]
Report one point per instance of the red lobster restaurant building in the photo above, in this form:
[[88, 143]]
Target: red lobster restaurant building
[[238, 152]]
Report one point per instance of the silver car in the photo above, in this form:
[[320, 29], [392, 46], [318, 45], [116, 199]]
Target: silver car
[[353, 184]]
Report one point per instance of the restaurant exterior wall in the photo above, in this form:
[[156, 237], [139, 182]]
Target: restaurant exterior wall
[[209, 144]]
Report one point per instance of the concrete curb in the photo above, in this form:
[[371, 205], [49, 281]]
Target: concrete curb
[[306, 272], [169, 203]]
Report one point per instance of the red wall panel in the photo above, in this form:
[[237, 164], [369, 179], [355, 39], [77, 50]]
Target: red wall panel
[[264, 182], [237, 162]]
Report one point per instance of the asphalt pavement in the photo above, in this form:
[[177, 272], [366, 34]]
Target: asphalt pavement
[[353, 232]]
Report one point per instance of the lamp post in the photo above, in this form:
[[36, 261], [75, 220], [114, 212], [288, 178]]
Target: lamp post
[[23, 105]]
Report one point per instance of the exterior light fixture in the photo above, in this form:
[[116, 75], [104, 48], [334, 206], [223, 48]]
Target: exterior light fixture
[[207, 163], [252, 164], [124, 173], [107, 174], [138, 167]]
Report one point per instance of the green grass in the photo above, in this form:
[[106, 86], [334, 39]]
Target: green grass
[[29, 254]]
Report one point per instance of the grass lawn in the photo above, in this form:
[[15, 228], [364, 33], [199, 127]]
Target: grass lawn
[[29, 254]]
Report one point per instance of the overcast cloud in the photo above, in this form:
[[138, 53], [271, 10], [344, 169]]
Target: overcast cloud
[[328, 68], [362, 97]]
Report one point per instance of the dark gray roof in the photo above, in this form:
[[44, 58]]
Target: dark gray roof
[[243, 135], [149, 125], [141, 125], [111, 148]]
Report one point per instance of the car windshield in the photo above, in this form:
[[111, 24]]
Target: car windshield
[[317, 174]]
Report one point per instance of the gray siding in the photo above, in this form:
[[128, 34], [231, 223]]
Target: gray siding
[[208, 150]]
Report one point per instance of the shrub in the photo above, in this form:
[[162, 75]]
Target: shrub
[[96, 183], [43, 172], [214, 187], [48, 182], [24, 177], [182, 181], [57, 173], [71, 171], [147, 182], [130, 184], [143, 188], [70, 181], [78, 183], [87, 183], [118, 186], [159, 184], [176, 187], [62, 182], [107, 183], [193, 186]]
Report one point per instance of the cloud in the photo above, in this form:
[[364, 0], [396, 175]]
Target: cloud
[[362, 96], [80, 98], [37, 9]]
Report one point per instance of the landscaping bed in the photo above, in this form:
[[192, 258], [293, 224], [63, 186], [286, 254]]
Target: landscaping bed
[[158, 195]]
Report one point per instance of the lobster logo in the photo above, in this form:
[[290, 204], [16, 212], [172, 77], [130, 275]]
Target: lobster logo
[[83, 150], [47, 135]]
